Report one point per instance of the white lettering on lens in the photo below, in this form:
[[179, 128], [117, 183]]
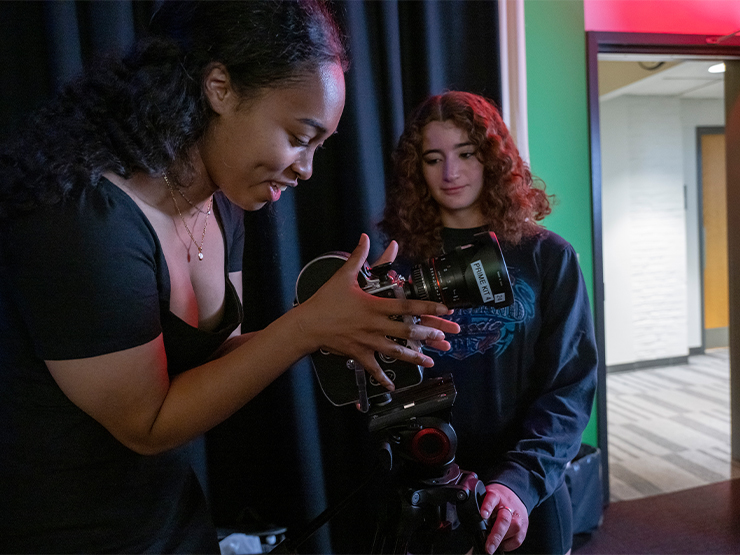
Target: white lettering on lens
[[482, 281]]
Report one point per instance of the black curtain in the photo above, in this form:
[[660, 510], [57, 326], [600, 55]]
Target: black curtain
[[44, 44], [289, 453]]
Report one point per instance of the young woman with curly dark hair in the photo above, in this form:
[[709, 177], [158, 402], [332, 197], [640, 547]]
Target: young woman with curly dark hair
[[121, 208], [525, 374]]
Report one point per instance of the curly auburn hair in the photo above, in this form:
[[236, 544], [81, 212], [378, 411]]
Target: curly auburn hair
[[510, 203], [145, 112]]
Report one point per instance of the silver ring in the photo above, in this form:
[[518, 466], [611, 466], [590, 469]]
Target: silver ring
[[508, 509]]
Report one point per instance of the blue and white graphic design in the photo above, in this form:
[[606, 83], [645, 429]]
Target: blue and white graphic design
[[484, 328]]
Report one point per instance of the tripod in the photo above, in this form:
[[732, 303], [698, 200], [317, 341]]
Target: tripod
[[428, 502], [427, 495], [416, 513]]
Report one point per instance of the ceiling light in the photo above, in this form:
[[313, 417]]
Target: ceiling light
[[717, 68]]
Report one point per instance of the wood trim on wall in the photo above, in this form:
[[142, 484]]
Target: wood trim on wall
[[713, 189], [700, 131]]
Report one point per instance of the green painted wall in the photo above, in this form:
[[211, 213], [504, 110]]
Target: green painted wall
[[558, 125]]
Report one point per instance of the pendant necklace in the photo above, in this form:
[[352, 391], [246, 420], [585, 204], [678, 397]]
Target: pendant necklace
[[190, 233]]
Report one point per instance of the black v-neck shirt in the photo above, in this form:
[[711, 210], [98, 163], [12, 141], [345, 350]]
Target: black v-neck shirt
[[80, 279]]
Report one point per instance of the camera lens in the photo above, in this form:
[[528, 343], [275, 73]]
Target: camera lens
[[471, 275]]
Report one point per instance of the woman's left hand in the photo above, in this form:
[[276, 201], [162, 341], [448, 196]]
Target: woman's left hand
[[509, 516], [389, 255]]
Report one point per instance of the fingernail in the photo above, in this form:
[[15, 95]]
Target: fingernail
[[485, 514], [442, 310], [437, 335]]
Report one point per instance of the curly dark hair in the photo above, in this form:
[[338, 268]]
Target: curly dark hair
[[145, 111], [510, 202]]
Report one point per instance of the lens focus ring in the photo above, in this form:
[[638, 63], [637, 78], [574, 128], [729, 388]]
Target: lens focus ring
[[417, 282]]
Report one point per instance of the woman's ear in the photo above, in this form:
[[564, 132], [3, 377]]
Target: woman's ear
[[218, 89]]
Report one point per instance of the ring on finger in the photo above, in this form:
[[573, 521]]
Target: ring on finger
[[508, 509]]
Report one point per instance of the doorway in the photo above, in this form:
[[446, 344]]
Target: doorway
[[668, 51], [663, 210]]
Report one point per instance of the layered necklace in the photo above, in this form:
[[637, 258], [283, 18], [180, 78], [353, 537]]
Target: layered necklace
[[207, 213]]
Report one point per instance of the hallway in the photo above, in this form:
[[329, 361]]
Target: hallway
[[669, 427]]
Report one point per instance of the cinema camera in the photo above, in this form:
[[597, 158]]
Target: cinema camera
[[471, 275], [413, 421]]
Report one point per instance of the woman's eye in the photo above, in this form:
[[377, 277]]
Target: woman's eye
[[297, 141], [431, 161], [466, 155]]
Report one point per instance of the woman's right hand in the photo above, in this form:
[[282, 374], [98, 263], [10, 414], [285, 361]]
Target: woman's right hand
[[342, 318]]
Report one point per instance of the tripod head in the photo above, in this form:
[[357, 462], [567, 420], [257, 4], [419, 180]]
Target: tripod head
[[430, 495], [414, 432]]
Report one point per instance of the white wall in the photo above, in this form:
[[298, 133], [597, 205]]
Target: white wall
[[616, 232], [650, 229], [645, 270]]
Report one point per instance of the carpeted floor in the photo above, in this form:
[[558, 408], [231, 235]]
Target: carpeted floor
[[705, 519], [669, 427]]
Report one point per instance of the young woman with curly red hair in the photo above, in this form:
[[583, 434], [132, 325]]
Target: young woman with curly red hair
[[525, 374]]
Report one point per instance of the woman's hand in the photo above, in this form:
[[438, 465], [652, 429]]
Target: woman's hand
[[389, 255], [342, 318], [509, 516]]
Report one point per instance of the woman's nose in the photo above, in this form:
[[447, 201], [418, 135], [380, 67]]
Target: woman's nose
[[303, 166], [451, 171]]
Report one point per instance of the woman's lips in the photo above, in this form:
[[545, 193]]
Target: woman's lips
[[276, 189], [453, 190]]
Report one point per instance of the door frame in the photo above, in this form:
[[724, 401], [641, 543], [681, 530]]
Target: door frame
[[684, 47]]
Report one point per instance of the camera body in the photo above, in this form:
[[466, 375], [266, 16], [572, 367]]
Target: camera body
[[471, 275], [336, 373]]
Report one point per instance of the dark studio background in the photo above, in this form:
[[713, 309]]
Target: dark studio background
[[289, 453]]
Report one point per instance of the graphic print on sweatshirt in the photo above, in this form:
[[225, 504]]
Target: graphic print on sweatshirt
[[483, 328]]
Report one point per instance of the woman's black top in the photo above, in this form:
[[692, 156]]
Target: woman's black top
[[81, 279]]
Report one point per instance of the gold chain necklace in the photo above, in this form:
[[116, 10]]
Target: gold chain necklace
[[207, 213], [191, 203]]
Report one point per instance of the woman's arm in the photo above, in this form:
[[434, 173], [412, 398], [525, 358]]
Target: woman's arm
[[129, 391], [565, 358]]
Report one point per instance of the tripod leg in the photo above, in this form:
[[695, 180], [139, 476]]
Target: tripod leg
[[469, 510], [405, 525], [389, 544]]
